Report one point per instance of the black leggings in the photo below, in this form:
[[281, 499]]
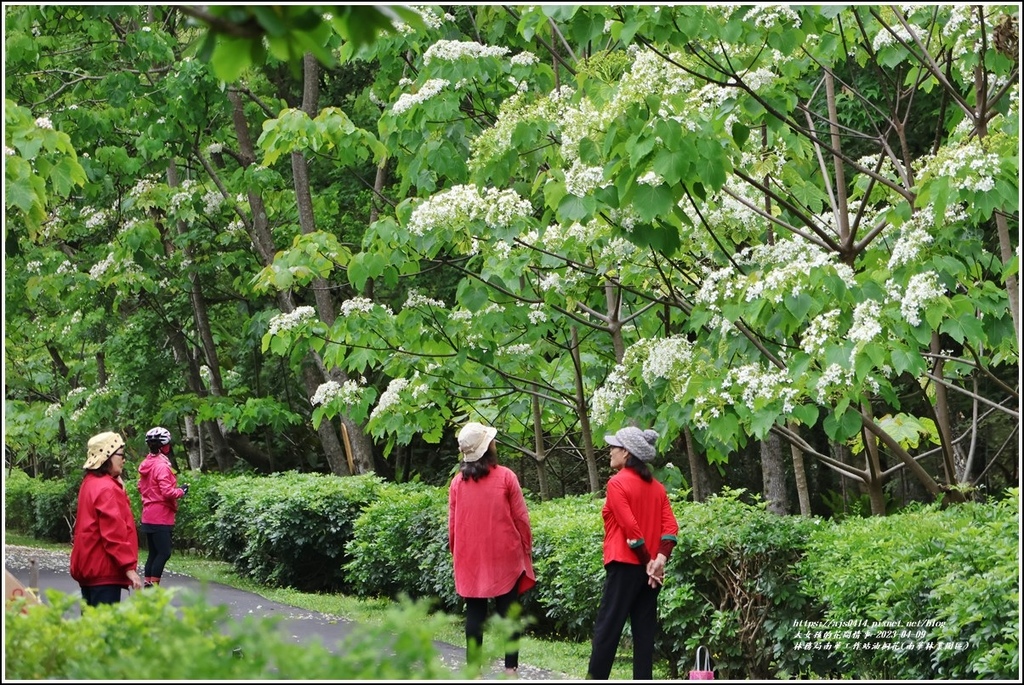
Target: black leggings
[[158, 541], [476, 615]]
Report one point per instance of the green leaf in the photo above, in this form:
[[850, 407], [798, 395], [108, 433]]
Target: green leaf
[[652, 202], [231, 56]]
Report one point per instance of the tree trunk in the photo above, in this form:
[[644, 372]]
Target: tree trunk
[[581, 408], [800, 474], [773, 474], [263, 242], [539, 450]]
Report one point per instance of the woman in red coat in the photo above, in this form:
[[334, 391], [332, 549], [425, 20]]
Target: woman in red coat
[[639, 535], [105, 548], [489, 537]]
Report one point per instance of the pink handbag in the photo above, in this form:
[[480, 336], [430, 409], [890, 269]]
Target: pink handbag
[[702, 671]]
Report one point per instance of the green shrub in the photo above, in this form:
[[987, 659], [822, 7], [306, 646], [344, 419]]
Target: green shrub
[[18, 512], [568, 538], [290, 530], [54, 508], [148, 637], [730, 585], [397, 543], [945, 581]]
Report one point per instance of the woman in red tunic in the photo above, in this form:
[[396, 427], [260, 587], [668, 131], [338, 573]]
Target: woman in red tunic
[[489, 537]]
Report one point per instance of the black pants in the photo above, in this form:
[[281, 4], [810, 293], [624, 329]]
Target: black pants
[[158, 542], [626, 595], [476, 615], [94, 595]]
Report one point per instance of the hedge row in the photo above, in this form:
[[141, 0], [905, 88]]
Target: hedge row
[[924, 593]]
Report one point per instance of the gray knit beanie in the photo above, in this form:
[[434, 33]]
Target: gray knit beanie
[[639, 443]]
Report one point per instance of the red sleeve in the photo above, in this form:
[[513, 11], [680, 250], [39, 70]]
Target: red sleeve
[[165, 484], [669, 528]]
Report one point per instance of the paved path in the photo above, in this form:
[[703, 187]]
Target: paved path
[[296, 624]]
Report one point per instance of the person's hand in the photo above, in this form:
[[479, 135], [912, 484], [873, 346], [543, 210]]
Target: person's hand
[[656, 571], [184, 489], [134, 579]]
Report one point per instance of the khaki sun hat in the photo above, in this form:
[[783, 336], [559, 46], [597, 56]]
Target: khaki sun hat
[[474, 439], [101, 447]]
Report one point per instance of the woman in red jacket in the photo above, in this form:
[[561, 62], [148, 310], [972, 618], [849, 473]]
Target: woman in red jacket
[[105, 548], [489, 537], [639, 534], [158, 487]]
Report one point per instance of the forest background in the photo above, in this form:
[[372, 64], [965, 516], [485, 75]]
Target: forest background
[[320, 238], [315, 240]]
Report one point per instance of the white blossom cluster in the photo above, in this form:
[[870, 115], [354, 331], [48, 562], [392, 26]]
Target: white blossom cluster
[[866, 326], [206, 375], [667, 358], [66, 268], [44, 122], [517, 350], [416, 299], [75, 319], [10, 151], [390, 398], [34, 266], [891, 36], [819, 332], [428, 90], [769, 16], [464, 203], [346, 394], [537, 313], [53, 410], [524, 58], [517, 108], [430, 18], [360, 304], [287, 321], [608, 398], [754, 382], [454, 50], [213, 201], [581, 180], [912, 240], [922, 289], [94, 218], [142, 187], [957, 27], [969, 166], [782, 271], [833, 378], [99, 269], [214, 148]]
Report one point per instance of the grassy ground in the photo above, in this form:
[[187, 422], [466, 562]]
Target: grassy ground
[[569, 658]]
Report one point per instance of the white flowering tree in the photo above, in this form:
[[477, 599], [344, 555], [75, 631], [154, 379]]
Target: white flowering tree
[[813, 258], [748, 226]]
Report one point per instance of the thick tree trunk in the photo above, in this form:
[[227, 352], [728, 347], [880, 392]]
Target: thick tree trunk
[[704, 478], [773, 474]]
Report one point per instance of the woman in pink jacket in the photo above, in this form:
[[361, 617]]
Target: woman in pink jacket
[[105, 548], [489, 537], [160, 493]]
